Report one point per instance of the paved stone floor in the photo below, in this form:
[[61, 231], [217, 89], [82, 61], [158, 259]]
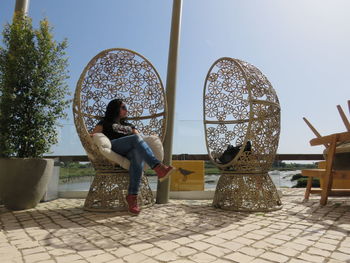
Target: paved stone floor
[[181, 231]]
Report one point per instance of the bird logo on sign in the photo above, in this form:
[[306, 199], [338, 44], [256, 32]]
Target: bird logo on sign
[[185, 173]]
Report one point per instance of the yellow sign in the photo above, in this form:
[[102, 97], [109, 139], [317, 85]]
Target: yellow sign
[[189, 176]]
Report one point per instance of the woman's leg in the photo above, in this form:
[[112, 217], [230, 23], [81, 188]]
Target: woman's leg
[[135, 171], [126, 144], [122, 145], [137, 151]]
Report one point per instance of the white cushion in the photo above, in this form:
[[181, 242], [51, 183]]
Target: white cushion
[[105, 147]]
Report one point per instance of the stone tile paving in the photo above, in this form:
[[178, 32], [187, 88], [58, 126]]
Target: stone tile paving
[[181, 231]]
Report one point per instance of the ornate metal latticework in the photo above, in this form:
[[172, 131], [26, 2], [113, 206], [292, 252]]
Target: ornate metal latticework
[[108, 190], [117, 73], [246, 192], [241, 108]]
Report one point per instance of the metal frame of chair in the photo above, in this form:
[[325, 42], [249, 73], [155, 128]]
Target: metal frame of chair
[[117, 73], [241, 106]]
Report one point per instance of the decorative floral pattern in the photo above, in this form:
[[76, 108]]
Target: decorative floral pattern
[[240, 105], [120, 73]]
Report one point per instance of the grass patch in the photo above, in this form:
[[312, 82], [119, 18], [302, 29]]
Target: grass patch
[[260, 214], [68, 172], [302, 181]]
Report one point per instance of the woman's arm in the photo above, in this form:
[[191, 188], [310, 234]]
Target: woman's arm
[[134, 131], [98, 128]]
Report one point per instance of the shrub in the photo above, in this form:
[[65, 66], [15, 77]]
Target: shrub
[[33, 89]]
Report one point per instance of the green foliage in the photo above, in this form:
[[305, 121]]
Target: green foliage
[[210, 168], [70, 173], [282, 166], [297, 177], [33, 89], [302, 182], [150, 172], [70, 164]]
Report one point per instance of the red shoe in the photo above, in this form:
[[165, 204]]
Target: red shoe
[[133, 208], [163, 171]]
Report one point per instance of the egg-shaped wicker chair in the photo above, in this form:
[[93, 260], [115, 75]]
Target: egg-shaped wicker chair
[[117, 73], [241, 112]]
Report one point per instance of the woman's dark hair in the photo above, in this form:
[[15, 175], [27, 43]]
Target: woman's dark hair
[[113, 110]]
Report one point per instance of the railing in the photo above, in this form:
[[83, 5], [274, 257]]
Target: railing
[[204, 157], [66, 192]]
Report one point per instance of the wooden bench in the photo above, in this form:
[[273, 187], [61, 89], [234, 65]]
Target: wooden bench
[[329, 173]]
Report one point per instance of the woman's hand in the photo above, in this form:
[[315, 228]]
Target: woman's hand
[[97, 129]]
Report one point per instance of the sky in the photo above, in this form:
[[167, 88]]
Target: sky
[[301, 46]]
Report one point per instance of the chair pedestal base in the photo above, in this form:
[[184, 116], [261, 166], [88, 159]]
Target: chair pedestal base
[[246, 192], [108, 191]]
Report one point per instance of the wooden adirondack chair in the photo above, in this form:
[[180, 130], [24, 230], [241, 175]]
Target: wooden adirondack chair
[[330, 172]]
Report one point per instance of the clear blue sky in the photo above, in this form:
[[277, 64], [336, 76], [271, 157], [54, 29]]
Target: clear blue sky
[[301, 46]]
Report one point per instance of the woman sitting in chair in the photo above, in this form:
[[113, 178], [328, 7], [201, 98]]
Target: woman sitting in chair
[[126, 141]]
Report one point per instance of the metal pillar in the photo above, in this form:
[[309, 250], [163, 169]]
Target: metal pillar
[[164, 187], [22, 6]]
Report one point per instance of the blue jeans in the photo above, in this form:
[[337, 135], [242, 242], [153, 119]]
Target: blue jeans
[[137, 151]]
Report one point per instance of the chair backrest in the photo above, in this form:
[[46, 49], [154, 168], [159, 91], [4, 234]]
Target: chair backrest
[[332, 140], [341, 161], [119, 73], [240, 106]]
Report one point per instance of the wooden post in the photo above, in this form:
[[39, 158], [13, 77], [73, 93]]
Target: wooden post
[[318, 135], [163, 188], [343, 117], [328, 178], [22, 6]]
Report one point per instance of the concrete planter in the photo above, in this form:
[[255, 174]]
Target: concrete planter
[[23, 181]]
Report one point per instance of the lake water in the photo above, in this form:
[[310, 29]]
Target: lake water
[[280, 179]]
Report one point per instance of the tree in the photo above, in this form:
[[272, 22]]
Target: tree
[[33, 89]]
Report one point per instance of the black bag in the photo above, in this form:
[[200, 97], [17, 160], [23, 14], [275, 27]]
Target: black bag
[[231, 152]]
